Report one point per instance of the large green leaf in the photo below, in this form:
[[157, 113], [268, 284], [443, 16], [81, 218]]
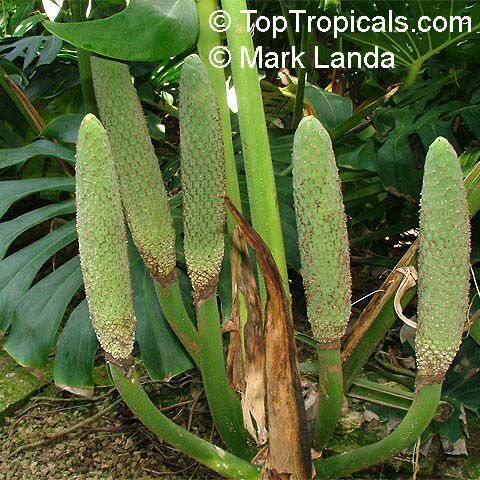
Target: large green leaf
[[145, 30], [330, 109], [18, 271], [162, 353], [13, 156], [10, 230], [14, 190], [39, 313], [64, 127], [413, 48], [358, 158], [401, 172], [76, 351]]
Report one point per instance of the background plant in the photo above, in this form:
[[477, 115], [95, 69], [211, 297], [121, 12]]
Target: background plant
[[380, 155]]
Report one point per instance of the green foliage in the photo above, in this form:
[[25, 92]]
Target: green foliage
[[329, 108], [64, 128], [161, 30], [14, 156], [413, 48], [12, 229], [40, 204], [14, 15], [162, 353], [18, 270], [39, 313], [42, 49], [76, 351], [380, 154]]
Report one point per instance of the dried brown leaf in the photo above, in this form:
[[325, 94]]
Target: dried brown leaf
[[380, 299], [289, 450], [250, 368]]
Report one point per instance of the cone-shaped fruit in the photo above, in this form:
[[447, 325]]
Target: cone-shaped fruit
[[203, 177], [322, 231], [102, 241], [141, 185], [443, 263]]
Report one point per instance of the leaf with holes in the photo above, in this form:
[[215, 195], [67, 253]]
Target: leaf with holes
[[413, 47]]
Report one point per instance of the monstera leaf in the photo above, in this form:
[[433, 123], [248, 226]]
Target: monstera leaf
[[35, 295], [413, 48], [145, 30]]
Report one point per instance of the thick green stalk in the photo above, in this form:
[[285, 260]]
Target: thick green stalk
[[78, 8], [85, 70], [330, 395], [416, 420], [256, 149], [204, 452], [301, 78], [222, 400], [171, 301]]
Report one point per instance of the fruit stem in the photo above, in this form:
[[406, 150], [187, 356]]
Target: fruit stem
[[223, 402], [330, 395], [220, 461], [170, 299], [417, 419]]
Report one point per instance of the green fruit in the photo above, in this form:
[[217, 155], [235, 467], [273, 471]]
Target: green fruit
[[141, 185], [102, 241], [322, 232], [203, 177], [443, 263]]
